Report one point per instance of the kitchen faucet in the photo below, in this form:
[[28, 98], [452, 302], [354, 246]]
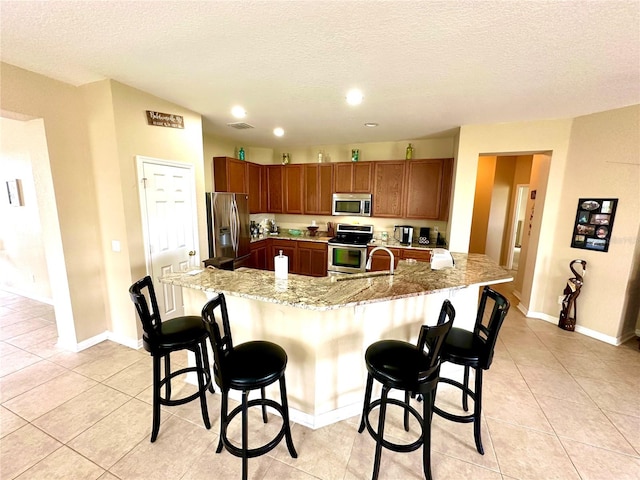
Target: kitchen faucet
[[391, 260]]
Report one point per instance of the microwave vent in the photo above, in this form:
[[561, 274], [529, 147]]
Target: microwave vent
[[240, 125]]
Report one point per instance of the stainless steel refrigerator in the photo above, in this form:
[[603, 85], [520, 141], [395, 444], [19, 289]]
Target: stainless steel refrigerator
[[228, 228]]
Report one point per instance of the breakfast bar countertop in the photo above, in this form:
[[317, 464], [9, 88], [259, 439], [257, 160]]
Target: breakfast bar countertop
[[326, 293]]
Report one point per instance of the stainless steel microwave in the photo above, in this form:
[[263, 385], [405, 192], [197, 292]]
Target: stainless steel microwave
[[354, 204]]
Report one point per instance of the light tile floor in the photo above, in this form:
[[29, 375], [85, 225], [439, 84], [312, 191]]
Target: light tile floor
[[557, 405]]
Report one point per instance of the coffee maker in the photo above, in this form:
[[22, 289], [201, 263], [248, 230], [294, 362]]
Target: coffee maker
[[403, 234]]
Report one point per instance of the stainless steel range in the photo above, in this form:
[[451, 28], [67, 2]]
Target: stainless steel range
[[348, 249]]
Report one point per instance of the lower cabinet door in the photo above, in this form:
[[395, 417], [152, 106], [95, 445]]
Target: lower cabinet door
[[312, 259]]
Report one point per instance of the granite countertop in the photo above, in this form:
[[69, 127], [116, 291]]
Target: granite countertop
[[327, 293]]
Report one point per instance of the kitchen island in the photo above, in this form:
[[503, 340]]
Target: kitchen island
[[326, 324]]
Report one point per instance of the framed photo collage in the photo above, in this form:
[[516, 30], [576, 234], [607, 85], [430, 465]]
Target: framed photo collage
[[594, 223]]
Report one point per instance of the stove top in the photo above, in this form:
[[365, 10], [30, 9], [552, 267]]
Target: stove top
[[356, 235]]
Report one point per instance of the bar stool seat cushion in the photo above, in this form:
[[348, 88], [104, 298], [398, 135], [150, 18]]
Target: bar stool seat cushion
[[254, 364], [180, 331], [462, 347], [396, 363]]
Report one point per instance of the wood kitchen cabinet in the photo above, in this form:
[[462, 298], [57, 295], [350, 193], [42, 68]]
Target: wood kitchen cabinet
[[318, 188], [380, 260], [354, 177], [258, 254], [230, 175], [293, 189], [257, 188], [289, 249], [388, 188], [274, 177], [424, 188], [312, 258], [447, 180], [421, 255]]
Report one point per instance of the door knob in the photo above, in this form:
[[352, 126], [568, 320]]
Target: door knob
[[192, 253]]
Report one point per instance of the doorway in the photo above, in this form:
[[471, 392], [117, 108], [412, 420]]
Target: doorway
[[517, 227], [169, 224]]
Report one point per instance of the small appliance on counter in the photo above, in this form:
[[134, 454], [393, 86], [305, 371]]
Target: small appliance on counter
[[441, 258], [425, 233], [403, 234]]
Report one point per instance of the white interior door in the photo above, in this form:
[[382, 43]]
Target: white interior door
[[171, 230]]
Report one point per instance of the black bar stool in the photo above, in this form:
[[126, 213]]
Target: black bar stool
[[403, 366], [160, 339], [245, 367], [474, 350]]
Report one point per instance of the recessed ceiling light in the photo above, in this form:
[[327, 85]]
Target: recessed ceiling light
[[278, 132], [238, 112], [371, 124], [354, 97]]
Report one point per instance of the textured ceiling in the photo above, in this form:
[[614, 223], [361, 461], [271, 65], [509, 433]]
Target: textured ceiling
[[425, 67]]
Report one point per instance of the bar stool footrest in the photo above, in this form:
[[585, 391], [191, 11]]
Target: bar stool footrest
[[450, 416], [395, 447], [267, 447], [193, 396]]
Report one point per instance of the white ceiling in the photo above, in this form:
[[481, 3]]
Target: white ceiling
[[425, 67]]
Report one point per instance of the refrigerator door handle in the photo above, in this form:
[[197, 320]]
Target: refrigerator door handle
[[233, 223]]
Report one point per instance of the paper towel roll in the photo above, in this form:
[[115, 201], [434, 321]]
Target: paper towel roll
[[281, 264]]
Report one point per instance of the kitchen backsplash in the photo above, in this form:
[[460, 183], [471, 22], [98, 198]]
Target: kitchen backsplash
[[380, 225]]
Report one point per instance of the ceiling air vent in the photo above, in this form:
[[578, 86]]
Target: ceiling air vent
[[239, 125]]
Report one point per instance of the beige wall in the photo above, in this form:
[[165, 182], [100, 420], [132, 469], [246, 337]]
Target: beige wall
[[120, 110], [594, 155], [427, 148], [603, 161], [93, 135], [482, 203], [71, 230]]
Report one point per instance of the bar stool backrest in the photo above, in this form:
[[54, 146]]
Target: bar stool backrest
[[150, 319], [433, 338], [488, 323], [222, 341]]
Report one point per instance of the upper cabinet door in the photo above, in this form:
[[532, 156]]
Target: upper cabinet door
[[257, 188], [423, 188], [388, 183], [318, 188], [362, 172], [354, 177], [230, 175], [274, 188], [293, 189]]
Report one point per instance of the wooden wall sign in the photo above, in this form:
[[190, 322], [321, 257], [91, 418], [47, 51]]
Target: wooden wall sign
[[160, 119]]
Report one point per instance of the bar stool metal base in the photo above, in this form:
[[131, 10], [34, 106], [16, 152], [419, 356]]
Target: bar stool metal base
[[477, 405], [243, 451], [205, 383], [424, 420]]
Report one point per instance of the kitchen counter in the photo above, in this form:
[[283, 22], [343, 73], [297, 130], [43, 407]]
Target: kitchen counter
[[322, 237], [326, 325], [324, 293]]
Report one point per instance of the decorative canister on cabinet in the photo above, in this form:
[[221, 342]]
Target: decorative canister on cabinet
[[355, 155], [285, 158]]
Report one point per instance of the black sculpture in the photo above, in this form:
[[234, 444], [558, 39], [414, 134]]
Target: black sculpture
[[571, 293]]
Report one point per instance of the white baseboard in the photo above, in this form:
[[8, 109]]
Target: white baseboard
[[579, 328], [48, 301], [136, 344]]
